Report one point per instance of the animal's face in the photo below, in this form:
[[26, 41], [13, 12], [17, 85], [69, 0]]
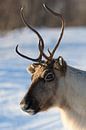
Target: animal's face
[[45, 75], [44, 86]]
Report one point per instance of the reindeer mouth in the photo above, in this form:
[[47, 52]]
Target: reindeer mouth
[[31, 111], [31, 108]]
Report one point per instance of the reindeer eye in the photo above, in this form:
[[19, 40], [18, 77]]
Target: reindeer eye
[[48, 75]]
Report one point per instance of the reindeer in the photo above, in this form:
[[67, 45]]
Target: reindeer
[[55, 84]]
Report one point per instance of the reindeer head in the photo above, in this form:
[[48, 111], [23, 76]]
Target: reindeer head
[[45, 74]]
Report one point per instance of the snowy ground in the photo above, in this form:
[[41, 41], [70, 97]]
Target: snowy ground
[[14, 80]]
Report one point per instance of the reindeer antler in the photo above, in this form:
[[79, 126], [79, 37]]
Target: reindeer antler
[[41, 42], [49, 58]]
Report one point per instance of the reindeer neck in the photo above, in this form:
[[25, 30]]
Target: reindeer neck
[[75, 86], [76, 72], [76, 83]]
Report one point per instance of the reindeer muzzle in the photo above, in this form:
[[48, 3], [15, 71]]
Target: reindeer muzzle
[[31, 106]]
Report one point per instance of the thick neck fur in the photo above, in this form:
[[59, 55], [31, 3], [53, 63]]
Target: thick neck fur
[[74, 112]]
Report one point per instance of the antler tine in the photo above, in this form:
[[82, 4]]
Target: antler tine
[[35, 60], [41, 42], [30, 27], [62, 29]]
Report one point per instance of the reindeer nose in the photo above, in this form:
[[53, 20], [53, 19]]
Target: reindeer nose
[[23, 105]]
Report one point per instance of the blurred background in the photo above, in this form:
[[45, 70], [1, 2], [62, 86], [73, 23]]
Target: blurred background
[[14, 79], [74, 12]]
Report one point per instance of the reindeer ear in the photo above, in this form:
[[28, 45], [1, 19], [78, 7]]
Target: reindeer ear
[[31, 68], [60, 64], [61, 61]]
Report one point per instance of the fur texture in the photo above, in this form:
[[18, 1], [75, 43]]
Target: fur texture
[[66, 90], [73, 109]]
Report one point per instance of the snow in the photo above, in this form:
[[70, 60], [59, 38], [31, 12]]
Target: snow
[[14, 80]]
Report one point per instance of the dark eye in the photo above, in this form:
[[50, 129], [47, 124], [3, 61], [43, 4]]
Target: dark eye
[[48, 75]]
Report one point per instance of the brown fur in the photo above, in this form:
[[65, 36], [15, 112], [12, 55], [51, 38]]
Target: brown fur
[[42, 93]]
